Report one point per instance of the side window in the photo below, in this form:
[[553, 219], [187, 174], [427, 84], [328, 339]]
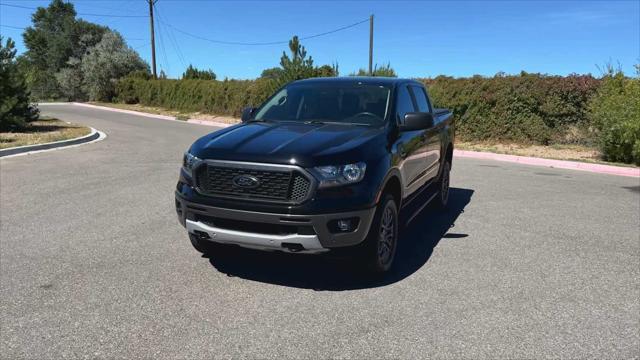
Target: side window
[[404, 103], [421, 99]]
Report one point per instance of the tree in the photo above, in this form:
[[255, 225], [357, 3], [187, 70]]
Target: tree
[[54, 38], [295, 67], [86, 35], [48, 46], [15, 108], [327, 71], [70, 80], [271, 73], [298, 66], [193, 73], [106, 62], [384, 70]]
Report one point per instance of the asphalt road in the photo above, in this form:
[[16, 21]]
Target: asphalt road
[[528, 262]]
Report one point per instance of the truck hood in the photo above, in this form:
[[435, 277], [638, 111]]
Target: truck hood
[[289, 143]]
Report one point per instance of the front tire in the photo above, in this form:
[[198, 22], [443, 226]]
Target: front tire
[[382, 239]]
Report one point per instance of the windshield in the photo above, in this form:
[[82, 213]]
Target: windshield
[[355, 103]]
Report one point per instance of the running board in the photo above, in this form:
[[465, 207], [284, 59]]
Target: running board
[[421, 208]]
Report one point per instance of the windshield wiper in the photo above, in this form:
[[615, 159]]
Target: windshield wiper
[[257, 120], [314, 122], [335, 123]]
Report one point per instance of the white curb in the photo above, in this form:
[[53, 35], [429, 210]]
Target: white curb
[[94, 136]]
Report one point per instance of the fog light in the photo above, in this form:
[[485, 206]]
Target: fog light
[[344, 225]]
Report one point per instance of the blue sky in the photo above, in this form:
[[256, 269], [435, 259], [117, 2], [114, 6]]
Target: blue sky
[[418, 38]]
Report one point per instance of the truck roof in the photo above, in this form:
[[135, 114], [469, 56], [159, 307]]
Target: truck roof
[[372, 80]]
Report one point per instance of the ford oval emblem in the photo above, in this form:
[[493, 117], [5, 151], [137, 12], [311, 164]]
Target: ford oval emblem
[[246, 181]]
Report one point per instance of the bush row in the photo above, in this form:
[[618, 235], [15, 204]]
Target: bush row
[[525, 108], [529, 108], [226, 97]]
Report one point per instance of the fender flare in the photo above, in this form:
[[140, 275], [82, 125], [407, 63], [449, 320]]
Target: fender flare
[[394, 172]]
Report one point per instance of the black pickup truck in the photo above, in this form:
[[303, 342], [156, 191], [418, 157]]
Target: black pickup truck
[[324, 164]]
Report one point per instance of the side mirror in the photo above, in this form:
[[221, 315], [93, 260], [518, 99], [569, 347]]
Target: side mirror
[[417, 121], [247, 113]]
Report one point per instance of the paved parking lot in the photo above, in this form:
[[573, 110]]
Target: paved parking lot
[[528, 262]]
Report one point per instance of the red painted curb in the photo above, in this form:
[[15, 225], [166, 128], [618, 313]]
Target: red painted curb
[[560, 164]]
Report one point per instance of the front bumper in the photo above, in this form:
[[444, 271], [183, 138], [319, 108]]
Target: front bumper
[[289, 243], [317, 236]]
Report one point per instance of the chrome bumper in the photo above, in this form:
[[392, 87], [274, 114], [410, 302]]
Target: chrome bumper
[[310, 243]]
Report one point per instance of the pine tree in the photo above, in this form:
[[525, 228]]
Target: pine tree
[[15, 108]]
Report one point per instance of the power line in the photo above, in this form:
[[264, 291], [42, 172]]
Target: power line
[[163, 49], [172, 40], [140, 47], [81, 14], [13, 27], [332, 31], [262, 43]]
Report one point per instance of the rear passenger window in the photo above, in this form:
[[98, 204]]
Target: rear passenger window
[[404, 103], [421, 99]]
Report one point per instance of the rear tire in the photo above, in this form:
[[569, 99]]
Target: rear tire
[[382, 240], [443, 185]]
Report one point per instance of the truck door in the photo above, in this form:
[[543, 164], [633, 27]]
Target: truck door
[[431, 136], [410, 145]]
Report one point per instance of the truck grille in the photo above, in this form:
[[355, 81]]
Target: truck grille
[[286, 186]]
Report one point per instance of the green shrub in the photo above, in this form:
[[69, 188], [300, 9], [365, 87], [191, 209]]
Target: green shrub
[[226, 97], [615, 112], [527, 108]]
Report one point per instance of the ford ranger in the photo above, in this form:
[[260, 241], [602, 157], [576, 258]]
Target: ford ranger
[[323, 164]]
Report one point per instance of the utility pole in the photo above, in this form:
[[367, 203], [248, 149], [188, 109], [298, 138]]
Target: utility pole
[[153, 39], [371, 45]]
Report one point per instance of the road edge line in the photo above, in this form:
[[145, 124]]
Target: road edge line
[[94, 136], [124, 111], [144, 114], [148, 115]]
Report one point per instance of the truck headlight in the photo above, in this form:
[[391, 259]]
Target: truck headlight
[[188, 162], [339, 174]]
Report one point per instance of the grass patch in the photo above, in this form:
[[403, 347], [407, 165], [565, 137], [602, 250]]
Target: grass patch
[[42, 131]]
